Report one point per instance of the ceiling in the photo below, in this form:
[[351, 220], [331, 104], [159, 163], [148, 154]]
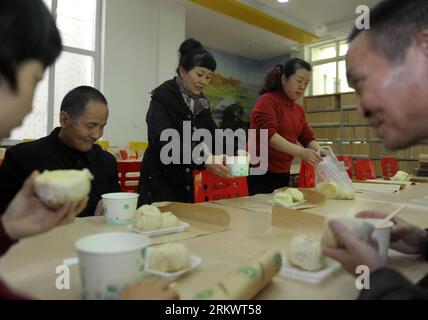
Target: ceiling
[[322, 17], [318, 12], [222, 32]]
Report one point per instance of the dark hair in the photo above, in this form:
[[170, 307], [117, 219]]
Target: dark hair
[[27, 31], [75, 101], [394, 24], [193, 54], [272, 81]]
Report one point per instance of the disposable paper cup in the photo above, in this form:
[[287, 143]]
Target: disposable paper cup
[[119, 207], [382, 235], [239, 165], [109, 261]]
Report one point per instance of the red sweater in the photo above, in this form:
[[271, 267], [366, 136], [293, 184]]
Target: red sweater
[[5, 244], [275, 112]]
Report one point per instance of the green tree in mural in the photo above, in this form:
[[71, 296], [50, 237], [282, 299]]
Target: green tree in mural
[[233, 118]]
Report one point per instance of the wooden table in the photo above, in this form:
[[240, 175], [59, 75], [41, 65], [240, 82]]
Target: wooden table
[[30, 265]]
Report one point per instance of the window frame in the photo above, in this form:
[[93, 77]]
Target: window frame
[[96, 54], [337, 59]]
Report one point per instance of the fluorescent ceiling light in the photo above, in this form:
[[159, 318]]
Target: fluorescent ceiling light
[[282, 1]]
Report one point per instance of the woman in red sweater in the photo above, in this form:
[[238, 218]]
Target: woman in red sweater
[[285, 122]]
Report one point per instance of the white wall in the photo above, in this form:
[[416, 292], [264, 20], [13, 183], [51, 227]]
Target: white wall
[[141, 39], [172, 30]]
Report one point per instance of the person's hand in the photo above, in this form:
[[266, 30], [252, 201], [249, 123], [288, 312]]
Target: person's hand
[[26, 215], [99, 210], [149, 289], [354, 252], [310, 156], [405, 237], [215, 164]]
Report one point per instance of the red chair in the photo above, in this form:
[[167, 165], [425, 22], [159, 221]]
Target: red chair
[[348, 163], [389, 167], [124, 154], [306, 175], [129, 174], [364, 169], [208, 186]]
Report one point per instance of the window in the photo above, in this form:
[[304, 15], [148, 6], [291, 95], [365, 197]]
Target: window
[[79, 22], [329, 69], [324, 78], [324, 52]]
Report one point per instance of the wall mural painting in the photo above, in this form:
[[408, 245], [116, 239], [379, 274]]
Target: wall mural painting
[[231, 101]]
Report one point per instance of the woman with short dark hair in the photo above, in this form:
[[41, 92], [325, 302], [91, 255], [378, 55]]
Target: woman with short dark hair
[[277, 111]]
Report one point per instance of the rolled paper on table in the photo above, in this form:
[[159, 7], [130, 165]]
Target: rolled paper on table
[[247, 281]]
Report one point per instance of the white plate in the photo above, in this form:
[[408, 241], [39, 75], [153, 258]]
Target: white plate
[[153, 233], [288, 205], [314, 277], [169, 276]]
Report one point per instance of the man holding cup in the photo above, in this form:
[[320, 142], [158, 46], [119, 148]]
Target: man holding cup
[[387, 65]]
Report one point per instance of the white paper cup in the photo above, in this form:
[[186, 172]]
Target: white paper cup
[[109, 261], [119, 207], [239, 165], [382, 235]]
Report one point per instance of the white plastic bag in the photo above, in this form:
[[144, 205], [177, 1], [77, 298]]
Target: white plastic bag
[[331, 177]]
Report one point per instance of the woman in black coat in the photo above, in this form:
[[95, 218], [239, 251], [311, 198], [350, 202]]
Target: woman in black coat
[[180, 106]]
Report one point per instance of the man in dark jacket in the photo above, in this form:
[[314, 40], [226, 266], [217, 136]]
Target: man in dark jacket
[[84, 114], [387, 65]]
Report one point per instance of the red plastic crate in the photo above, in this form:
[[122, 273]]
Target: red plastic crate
[[364, 169], [389, 166], [210, 187], [306, 175], [124, 168]]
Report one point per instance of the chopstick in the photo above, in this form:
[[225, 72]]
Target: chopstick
[[389, 217]]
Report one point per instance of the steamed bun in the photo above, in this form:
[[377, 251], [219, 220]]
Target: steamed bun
[[401, 176], [360, 228], [296, 194], [335, 191], [305, 253], [169, 220], [57, 187], [283, 198], [347, 194], [170, 257], [147, 218]]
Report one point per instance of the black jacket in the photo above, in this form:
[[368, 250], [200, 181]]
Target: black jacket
[[170, 182], [389, 284], [50, 153]]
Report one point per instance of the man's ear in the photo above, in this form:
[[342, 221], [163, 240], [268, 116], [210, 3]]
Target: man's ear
[[422, 41], [64, 119]]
